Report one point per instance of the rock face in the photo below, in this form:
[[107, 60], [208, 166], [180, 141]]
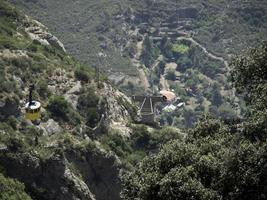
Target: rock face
[[51, 127], [100, 173], [71, 175], [72, 95], [38, 31], [58, 159], [54, 41], [115, 111]]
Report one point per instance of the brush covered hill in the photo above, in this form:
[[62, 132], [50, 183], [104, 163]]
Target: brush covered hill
[[88, 27], [148, 46], [86, 137], [86, 134], [44, 158], [63, 157], [216, 160]]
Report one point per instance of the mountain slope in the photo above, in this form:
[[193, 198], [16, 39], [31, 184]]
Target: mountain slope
[[85, 27], [60, 158], [86, 134], [147, 46]]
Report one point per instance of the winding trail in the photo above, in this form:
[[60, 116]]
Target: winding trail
[[163, 82], [212, 56]]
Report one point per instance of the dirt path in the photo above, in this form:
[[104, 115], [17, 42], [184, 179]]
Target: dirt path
[[212, 56], [163, 82], [136, 62], [164, 85], [155, 64], [143, 78]]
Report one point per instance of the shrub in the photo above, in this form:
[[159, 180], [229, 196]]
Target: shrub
[[9, 11], [90, 107], [12, 121], [59, 107], [8, 86], [183, 63], [170, 75], [83, 74], [180, 48], [42, 88], [92, 117], [117, 144], [226, 112], [21, 62], [12, 189], [141, 137]]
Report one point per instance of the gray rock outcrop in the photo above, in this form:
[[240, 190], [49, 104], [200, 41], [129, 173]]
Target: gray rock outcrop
[[38, 31], [51, 127], [70, 175]]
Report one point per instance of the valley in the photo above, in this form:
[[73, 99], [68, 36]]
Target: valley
[[135, 42], [91, 65]]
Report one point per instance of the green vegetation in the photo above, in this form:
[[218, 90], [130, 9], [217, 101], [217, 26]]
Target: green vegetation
[[141, 143], [11, 189], [216, 160], [210, 164], [150, 52], [61, 110], [180, 48], [83, 74], [28, 149], [88, 35], [249, 76], [91, 107], [59, 107], [170, 75], [112, 29], [215, 24], [131, 108]]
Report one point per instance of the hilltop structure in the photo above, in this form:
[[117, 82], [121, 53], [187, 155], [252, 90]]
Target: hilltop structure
[[147, 105]]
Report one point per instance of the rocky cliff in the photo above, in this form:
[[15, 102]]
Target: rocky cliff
[[60, 157]]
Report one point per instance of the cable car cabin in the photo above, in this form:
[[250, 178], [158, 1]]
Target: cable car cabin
[[33, 110]]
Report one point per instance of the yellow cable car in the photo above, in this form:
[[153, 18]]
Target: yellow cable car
[[33, 108]]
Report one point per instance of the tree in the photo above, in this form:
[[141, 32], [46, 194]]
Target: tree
[[147, 55], [12, 189], [249, 75], [166, 47], [58, 106], [161, 67], [215, 160], [211, 164], [170, 75], [183, 63], [190, 117], [90, 106], [216, 97], [226, 112]]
